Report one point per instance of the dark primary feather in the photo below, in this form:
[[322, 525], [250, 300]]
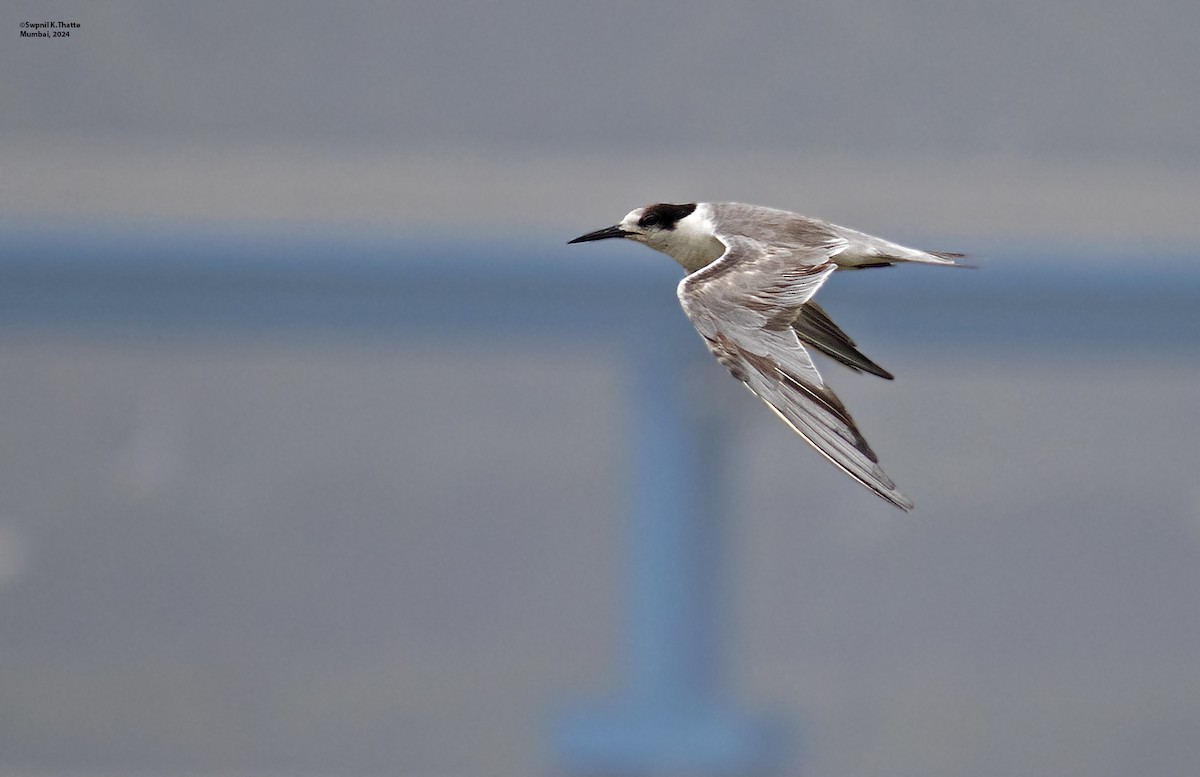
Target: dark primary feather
[[816, 328]]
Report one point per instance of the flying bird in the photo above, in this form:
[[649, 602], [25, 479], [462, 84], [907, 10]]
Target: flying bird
[[752, 273]]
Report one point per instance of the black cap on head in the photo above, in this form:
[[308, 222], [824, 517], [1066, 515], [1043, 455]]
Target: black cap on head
[[665, 215]]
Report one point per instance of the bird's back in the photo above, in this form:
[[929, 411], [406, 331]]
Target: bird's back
[[849, 248]]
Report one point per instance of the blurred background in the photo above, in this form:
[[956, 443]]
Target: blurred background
[[317, 441]]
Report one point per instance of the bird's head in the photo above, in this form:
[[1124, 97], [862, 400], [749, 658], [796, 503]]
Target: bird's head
[[667, 228], [653, 225]]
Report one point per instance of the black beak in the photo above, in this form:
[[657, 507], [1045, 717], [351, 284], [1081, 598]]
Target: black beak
[[600, 234]]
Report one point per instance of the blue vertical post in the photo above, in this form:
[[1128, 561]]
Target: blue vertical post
[[671, 716]]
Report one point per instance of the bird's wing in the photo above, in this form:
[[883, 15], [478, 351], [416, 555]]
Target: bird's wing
[[744, 305], [816, 328]]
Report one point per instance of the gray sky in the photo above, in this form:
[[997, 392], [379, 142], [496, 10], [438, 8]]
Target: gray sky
[[1073, 119]]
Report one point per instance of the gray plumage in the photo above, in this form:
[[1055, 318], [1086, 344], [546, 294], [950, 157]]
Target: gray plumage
[[752, 273]]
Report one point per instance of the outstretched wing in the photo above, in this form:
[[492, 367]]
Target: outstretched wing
[[744, 305]]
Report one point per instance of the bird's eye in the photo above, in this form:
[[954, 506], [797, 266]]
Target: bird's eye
[[650, 219]]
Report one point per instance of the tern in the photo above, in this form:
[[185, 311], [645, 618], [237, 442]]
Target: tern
[[752, 273]]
